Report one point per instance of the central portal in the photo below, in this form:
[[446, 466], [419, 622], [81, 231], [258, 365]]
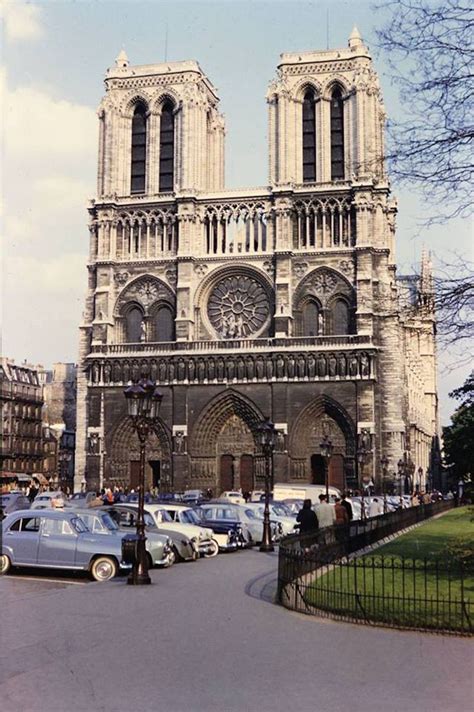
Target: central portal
[[235, 446]]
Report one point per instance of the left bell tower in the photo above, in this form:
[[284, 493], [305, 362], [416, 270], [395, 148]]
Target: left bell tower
[[160, 131]]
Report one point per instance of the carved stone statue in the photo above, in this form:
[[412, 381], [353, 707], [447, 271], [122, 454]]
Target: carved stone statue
[[117, 372], [332, 365], [126, 372], [280, 366], [179, 444], [191, 369], [341, 365], [230, 369], [364, 365], [259, 369], [301, 366], [353, 366], [181, 370], [201, 370], [291, 366], [107, 372], [269, 368], [162, 371], [321, 366], [250, 368], [311, 366], [171, 371], [220, 369], [240, 369], [211, 369]]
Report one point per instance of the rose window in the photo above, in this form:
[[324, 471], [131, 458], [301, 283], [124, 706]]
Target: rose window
[[238, 307]]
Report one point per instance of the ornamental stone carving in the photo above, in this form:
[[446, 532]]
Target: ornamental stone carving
[[238, 307]]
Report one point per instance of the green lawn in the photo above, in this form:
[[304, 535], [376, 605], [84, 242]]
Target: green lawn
[[407, 582]]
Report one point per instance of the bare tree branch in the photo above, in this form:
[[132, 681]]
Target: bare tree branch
[[431, 54]]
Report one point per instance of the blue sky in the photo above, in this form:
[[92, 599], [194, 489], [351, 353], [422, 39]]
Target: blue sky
[[54, 58]]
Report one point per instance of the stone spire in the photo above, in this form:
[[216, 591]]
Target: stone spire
[[122, 59], [426, 272], [355, 39]]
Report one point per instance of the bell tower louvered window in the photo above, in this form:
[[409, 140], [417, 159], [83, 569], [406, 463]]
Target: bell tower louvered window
[[139, 128], [337, 135], [167, 148], [309, 137]]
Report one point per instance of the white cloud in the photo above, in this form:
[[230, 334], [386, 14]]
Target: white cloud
[[37, 126], [57, 275], [21, 21]]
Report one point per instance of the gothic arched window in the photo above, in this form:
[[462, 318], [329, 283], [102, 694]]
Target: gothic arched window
[[309, 137], [340, 317], [337, 135], [310, 318], [133, 325], [167, 148], [138, 170], [163, 324]]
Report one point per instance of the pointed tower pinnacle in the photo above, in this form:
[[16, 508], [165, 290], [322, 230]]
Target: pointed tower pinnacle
[[355, 39], [122, 59]]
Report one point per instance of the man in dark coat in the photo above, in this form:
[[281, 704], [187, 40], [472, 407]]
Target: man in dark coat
[[307, 518], [347, 506]]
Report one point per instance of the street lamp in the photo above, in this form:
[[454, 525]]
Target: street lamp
[[326, 447], [143, 402], [420, 476], [384, 462], [266, 438], [401, 476], [361, 455]]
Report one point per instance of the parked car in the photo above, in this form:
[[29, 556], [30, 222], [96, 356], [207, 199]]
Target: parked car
[[235, 497], [184, 548], [109, 521], [59, 539], [12, 501], [186, 515], [44, 500], [249, 521], [293, 505], [80, 499], [204, 536], [285, 522], [195, 496]]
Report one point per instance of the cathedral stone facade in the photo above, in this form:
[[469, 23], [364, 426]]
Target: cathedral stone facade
[[280, 301]]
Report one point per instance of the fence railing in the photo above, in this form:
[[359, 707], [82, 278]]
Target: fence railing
[[316, 576]]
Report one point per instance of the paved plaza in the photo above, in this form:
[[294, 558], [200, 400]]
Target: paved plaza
[[206, 637]]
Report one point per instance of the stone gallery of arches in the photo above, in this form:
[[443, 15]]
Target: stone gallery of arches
[[280, 301]]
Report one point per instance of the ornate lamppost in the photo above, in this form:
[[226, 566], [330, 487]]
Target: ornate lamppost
[[326, 447], [266, 437], [420, 477], [143, 402]]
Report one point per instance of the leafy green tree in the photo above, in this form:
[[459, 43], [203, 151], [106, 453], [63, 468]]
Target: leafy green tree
[[459, 436]]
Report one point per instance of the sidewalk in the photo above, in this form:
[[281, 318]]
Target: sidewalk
[[206, 638]]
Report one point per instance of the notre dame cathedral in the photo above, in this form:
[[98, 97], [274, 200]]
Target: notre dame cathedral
[[280, 301]]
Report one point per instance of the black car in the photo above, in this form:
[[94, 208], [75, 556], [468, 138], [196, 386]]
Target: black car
[[229, 533]]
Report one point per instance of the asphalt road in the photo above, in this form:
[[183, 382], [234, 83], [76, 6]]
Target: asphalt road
[[206, 637]]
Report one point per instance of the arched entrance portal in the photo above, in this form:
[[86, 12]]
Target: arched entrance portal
[[322, 417], [222, 444], [234, 443], [123, 467]]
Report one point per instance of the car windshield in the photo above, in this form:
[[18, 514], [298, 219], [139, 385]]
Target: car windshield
[[188, 516], [251, 514], [161, 515], [109, 522], [280, 510], [78, 524]]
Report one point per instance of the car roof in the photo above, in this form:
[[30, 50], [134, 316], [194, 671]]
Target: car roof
[[35, 513]]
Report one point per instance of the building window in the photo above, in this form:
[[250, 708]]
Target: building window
[[310, 319], [337, 135], [309, 137], [167, 148], [134, 320], [163, 324], [340, 317], [138, 150]]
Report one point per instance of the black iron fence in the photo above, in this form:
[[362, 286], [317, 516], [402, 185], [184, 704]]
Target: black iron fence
[[316, 576]]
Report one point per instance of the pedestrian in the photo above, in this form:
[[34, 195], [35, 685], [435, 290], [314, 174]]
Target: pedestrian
[[325, 513], [33, 490], [340, 511], [307, 518], [347, 506], [375, 508]]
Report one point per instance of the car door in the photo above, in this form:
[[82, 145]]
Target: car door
[[57, 545], [23, 538]]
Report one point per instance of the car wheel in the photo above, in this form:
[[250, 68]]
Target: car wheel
[[5, 564], [177, 555], [171, 559], [103, 568], [213, 549]]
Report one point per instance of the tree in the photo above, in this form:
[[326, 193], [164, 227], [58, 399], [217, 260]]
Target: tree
[[430, 50], [459, 436], [454, 305]]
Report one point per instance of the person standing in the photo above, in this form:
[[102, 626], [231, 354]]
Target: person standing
[[347, 506], [325, 513], [307, 518]]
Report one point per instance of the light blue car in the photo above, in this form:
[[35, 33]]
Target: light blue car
[[59, 539]]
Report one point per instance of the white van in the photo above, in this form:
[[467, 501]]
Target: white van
[[290, 491]]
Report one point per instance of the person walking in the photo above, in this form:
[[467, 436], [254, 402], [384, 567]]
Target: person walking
[[307, 518]]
